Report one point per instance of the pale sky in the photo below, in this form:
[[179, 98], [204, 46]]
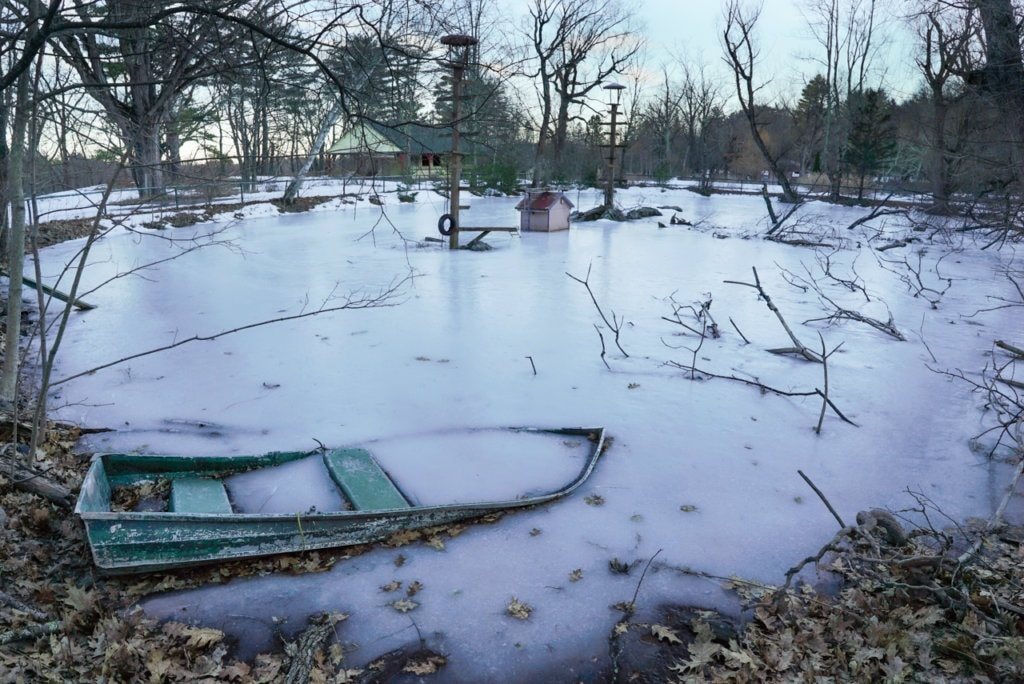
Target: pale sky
[[788, 48]]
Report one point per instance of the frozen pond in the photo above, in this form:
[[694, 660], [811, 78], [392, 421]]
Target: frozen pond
[[702, 473]]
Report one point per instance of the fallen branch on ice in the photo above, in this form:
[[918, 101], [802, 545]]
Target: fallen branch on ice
[[765, 388], [378, 299], [615, 324], [798, 347]]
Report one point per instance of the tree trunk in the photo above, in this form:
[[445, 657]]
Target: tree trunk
[[742, 58], [332, 118], [147, 161], [29, 480], [173, 154], [940, 171], [16, 241], [1004, 69], [561, 131], [5, 152], [832, 152]]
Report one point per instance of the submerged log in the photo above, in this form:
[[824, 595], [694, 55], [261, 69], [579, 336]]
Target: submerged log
[[308, 648], [34, 482]]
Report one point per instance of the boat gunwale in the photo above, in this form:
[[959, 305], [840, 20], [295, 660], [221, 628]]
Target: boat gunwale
[[99, 461]]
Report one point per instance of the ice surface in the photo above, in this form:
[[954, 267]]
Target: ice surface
[[297, 487], [701, 474], [481, 465]]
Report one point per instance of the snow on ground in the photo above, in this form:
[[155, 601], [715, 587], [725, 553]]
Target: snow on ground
[[701, 476]]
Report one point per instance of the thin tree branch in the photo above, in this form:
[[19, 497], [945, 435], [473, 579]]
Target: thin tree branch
[[380, 299], [824, 500], [798, 347]]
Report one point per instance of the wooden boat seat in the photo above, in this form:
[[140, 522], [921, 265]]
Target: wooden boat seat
[[199, 495], [363, 481]]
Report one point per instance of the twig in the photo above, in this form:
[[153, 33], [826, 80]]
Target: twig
[[889, 328], [679, 322], [644, 574], [737, 329], [615, 641], [603, 351], [1012, 383], [832, 405], [765, 388], [693, 360], [532, 365], [996, 517], [30, 632], [380, 299], [878, 210], [920, 336], [833, 545], [824, 500], [1016, 351], [9, 600], [914, 280], [615, 325], [824, 403], [798, 347]]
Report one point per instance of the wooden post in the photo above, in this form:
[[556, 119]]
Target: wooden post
[[614, 92], [456, 160], [458, 45]]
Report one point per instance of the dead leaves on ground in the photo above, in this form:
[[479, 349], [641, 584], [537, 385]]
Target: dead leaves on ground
[[407, 604], [435, 536], [78, 626], [425, 664], [518, 609], [911, 613], [404, 605], [664, 633]]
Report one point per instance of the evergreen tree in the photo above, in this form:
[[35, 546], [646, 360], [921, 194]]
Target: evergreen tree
[[871, 142], [810, 116]]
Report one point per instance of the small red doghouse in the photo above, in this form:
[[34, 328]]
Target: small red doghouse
[[544, 210]]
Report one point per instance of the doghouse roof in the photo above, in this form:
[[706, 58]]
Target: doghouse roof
[[542, 201]]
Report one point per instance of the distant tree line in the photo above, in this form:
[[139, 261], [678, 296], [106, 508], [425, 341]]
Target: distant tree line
[[196, 91]]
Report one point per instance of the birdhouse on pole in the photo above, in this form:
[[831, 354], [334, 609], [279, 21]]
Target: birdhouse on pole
[[458, 45]]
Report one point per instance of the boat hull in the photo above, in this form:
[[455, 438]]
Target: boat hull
[[135, 542]]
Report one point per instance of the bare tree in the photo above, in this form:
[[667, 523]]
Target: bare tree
[[1004, 67], [663, 120], [944, 50], [742, 54], [971, 60], [137, 86], [159, 55], [247, 93], [16, 239], [846, 31], [576, 45], [702, 102], [1000, 79]]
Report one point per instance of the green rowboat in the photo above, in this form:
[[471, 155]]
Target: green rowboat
[[198, 523]]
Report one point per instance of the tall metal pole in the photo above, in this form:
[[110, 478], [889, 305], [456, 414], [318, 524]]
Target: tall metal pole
[[459, 45], [614, 92]]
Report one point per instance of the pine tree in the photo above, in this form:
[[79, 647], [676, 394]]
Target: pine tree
[[871, 142]]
